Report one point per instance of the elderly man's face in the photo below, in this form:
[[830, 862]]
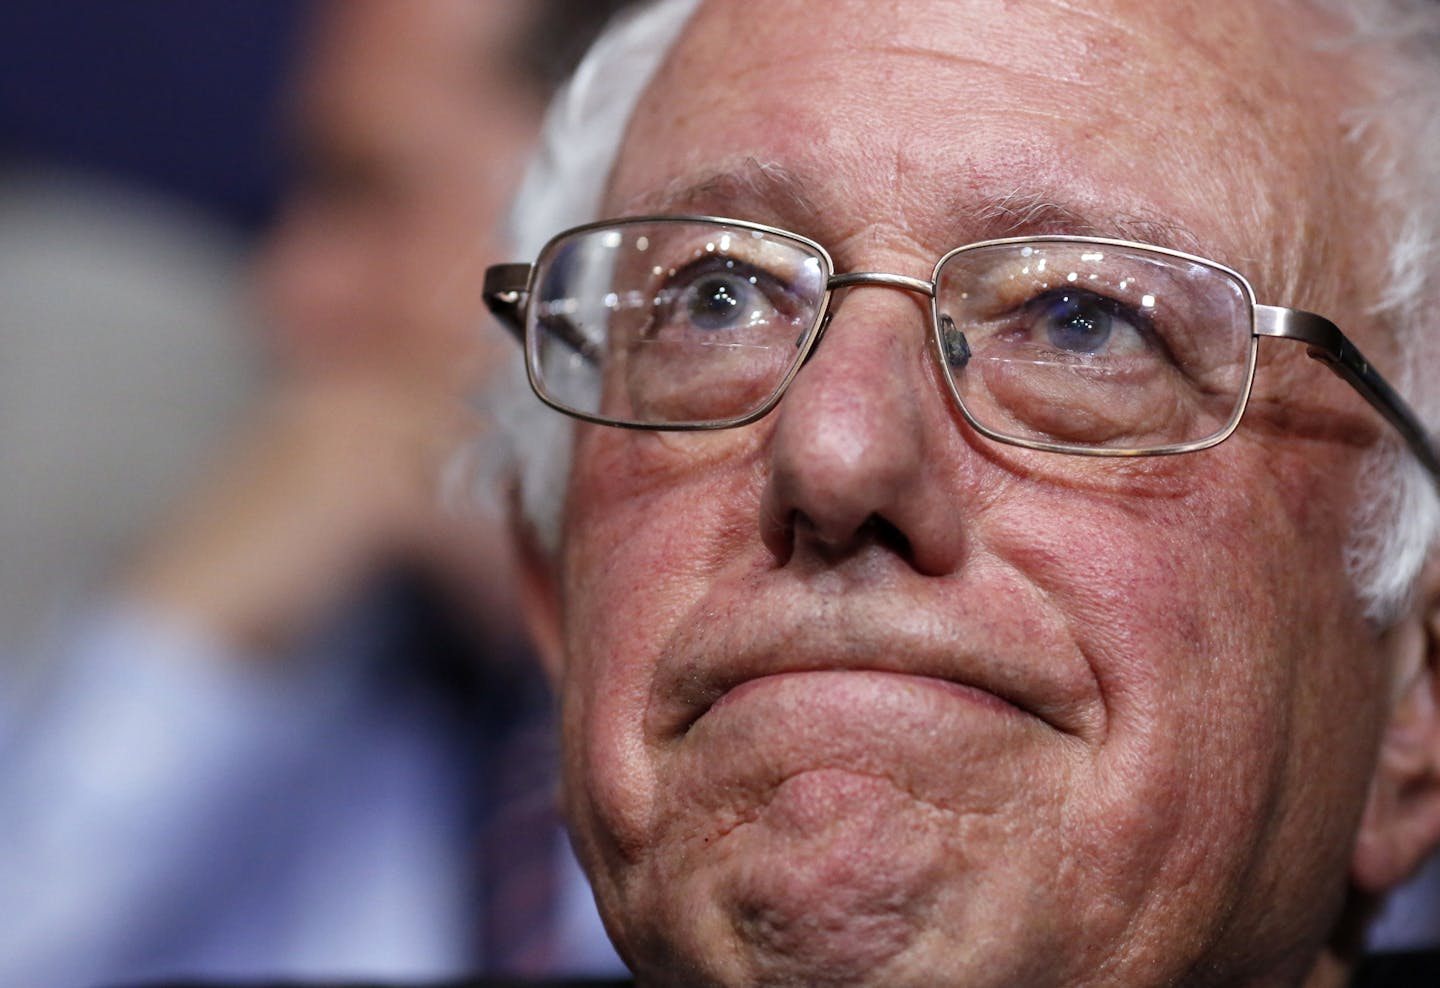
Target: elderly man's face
[[853, 693]]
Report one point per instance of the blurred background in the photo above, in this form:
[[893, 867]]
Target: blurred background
[[182, 99], [137, 142], [265, 710]]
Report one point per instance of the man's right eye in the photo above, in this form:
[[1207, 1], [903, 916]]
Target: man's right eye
[[721, 294], [718, 301]]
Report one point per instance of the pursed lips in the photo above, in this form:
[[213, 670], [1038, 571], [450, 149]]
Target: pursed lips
[[821, 676], [707, 670]]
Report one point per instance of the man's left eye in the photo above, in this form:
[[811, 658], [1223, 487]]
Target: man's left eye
[[1082, 322]]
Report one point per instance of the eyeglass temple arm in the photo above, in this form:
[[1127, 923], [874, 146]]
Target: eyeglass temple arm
[[506, 286], [1333, 348], [506, 292]]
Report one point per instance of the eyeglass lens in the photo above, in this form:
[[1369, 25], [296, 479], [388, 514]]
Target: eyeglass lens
[[1072, 344], [1095, 346], [666, 323]]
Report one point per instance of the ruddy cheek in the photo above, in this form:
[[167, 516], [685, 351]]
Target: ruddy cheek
[[637, 562]]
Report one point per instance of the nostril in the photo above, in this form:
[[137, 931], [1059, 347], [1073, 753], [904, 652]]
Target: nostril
[[832, 547], [777, 531], [881, 532]]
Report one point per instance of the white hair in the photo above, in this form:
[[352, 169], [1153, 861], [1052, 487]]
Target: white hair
[[1396, 125], [564, 187]]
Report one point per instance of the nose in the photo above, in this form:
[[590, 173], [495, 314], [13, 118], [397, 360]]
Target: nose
[[862, 455]]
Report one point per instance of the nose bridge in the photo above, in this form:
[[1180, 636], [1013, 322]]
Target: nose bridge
[[852, 448], [873, 279]]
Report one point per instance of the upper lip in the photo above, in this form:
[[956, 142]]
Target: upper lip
[[848, 634]]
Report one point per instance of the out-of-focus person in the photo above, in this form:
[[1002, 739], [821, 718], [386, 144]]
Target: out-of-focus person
[[297, 738]]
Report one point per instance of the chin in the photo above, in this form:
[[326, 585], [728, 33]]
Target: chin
[[834, 881]]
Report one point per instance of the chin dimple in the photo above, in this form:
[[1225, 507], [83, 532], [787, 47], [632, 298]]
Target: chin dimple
[[839, 894]]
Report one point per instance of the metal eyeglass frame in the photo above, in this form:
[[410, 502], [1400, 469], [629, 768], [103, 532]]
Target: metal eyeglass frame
[[509, 288]]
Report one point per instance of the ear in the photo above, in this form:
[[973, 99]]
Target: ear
[[539, 592], [1401, 824]]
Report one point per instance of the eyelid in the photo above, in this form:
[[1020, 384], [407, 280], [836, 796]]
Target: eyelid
[[1141, 319], [776, 288]]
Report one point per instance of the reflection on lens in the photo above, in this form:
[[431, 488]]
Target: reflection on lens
[[671, 322]]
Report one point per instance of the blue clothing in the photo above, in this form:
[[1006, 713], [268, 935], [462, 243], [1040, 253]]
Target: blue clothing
[[169, 810]]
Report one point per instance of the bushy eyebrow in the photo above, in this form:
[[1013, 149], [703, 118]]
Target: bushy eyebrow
[[1021, 213], [750, 188], [748, 183]]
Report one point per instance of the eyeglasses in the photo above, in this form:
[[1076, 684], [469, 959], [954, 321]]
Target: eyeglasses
[[1070, 344]]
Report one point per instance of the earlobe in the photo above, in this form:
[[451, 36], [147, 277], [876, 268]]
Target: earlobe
[[1401, 825], [537, 573]]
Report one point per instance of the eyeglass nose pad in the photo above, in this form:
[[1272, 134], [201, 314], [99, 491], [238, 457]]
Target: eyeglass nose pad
[[953, 342]]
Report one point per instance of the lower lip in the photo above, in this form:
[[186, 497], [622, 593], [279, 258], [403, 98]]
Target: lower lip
[[860, 682]]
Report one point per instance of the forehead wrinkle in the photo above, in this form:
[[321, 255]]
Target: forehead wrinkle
[[955, 60], [769, 191], [764, 190]]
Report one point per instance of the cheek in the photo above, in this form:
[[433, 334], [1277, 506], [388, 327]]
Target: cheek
[[1153, 627], [660, 518], [660, 512], [1190, 597], [1218, 628]]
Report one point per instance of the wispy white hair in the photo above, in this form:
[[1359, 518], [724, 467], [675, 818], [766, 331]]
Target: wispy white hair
[[1396, 124], [563, 187]]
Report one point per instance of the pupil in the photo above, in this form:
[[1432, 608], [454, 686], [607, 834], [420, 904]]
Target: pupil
[[1078, 326], [715, 303]]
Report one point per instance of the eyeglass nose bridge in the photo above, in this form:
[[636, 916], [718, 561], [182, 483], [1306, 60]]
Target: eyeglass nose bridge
[[900, 281], [853, 279]]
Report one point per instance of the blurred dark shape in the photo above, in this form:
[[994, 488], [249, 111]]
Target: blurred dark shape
[[558, 35], [180, 97]]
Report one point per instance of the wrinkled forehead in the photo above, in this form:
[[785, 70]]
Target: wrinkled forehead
[[928, 114]]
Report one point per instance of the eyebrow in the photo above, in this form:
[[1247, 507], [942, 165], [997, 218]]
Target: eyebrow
[[754, 189], [1035, 214], [761, 186]]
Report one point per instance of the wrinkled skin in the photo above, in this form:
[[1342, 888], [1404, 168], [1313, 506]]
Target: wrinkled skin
[[853, 695]]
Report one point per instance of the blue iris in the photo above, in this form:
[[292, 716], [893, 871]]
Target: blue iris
[[1078, 322], [717, 301]]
